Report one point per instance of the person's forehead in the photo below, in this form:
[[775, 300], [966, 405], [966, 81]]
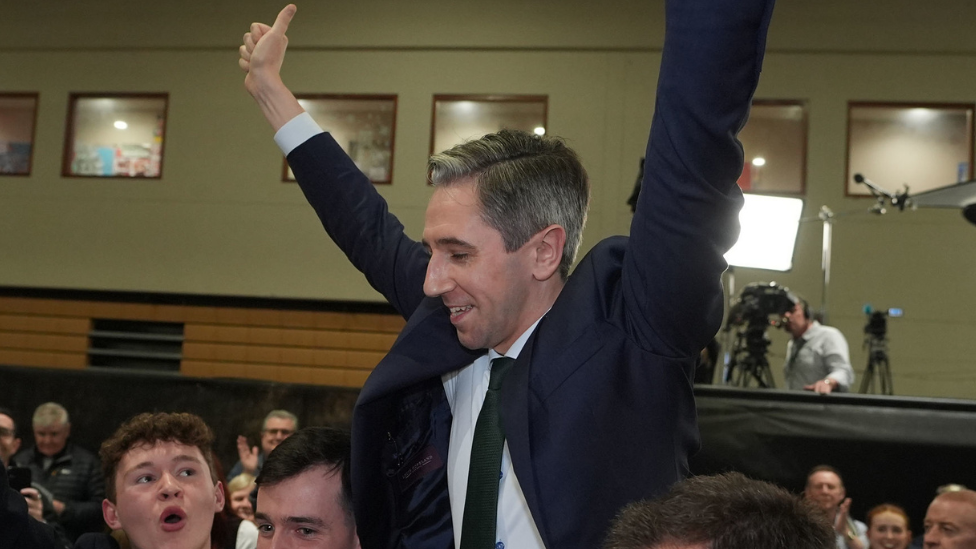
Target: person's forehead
[[158, 454], [6, 421], [280, 422], [888, 518], [953, 510], [821, 477], [311, 493], [56, 427]]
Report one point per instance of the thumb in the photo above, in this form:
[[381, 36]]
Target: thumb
[[284, 18]]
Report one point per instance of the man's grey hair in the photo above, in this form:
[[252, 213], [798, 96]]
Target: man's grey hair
[[280, 414], [50, 413], [525, 183]]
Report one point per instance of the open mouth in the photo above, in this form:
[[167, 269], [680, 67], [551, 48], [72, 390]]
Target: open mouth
[[172, 519], [458, 311]]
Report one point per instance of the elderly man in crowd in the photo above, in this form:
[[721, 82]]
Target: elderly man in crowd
[[950, 522], [67, 476], [278, 425], [825, 488]]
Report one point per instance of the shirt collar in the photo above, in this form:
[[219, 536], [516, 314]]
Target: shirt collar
[[516, 348]]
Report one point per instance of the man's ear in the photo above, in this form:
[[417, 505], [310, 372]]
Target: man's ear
[[548, 251], [111, 515], [15, 446], [219, 495]]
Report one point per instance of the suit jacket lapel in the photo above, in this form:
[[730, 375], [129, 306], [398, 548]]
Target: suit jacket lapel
[[427, 347]]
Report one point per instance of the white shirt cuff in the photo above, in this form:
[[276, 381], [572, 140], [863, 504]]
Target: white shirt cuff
[[295, 132]]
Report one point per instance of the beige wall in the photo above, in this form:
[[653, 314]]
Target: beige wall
[[221, 222]]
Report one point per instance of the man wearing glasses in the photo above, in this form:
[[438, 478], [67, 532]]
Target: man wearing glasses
[[278, 425], [9, 443]]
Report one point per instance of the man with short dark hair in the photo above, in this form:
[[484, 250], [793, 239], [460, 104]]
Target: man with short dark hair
[[825, 488], [9, 442], [68, 477], [304, 493], [276, 427], [950, 522], [522, 406], [817, 356], [727, 511]]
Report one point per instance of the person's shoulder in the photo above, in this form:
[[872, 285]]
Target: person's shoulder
[[81, 453], [23, 458], [96, 541]]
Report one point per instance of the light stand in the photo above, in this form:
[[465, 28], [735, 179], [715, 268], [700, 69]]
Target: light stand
[[767, 239]]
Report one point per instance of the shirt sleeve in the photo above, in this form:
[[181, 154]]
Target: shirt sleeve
[[837, 360], [295, 132]]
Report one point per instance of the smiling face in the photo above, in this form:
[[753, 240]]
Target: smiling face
[[305, 512], [486, 288], [165, 497], [826, 490], [240, 503], [276, 429], [889, 530]]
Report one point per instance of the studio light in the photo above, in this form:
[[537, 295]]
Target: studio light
[[768, 235]]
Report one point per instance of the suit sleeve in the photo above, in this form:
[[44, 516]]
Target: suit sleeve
[[687, 211], [357, 219]]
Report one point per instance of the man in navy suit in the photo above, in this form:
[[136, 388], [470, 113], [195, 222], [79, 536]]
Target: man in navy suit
[[597, 410]]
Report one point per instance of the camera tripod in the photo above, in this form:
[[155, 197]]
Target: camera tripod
[[747, 361], [876, 342]]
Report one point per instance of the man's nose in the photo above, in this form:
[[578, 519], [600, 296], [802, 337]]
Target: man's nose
[[437, 282], [168, 486]]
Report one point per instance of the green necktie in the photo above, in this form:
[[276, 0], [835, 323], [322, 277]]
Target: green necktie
[[481, 500]]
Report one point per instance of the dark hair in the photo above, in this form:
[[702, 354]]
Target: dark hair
[[148, 429], [806, 307], [525, 183], [311, 447], [8, 413], [825, 469], [727, 511]]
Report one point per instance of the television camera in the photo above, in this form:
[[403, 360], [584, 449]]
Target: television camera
[[750, 316]]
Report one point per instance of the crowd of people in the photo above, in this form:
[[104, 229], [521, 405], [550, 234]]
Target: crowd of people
[[157, 476], [155, 483], [522, 405]]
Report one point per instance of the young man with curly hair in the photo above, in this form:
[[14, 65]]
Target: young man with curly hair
[[160, 482]]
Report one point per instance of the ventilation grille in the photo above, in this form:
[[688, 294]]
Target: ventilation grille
[[135, 345]]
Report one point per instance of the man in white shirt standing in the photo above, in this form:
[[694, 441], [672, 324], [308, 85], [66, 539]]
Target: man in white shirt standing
[[817, 356], [522, 407]]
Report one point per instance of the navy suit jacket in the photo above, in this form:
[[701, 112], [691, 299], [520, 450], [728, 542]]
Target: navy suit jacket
[[598, 410]]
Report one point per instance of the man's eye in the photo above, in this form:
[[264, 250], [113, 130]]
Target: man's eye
[[459, 256], [187, 472], [144, 479], [265, 528], [307, 532]]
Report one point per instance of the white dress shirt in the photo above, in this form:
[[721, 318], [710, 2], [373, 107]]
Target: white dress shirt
[[466, 389]]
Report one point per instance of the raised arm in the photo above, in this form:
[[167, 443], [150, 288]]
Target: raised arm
[[687, 212], [354, 215], [262, 54]]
